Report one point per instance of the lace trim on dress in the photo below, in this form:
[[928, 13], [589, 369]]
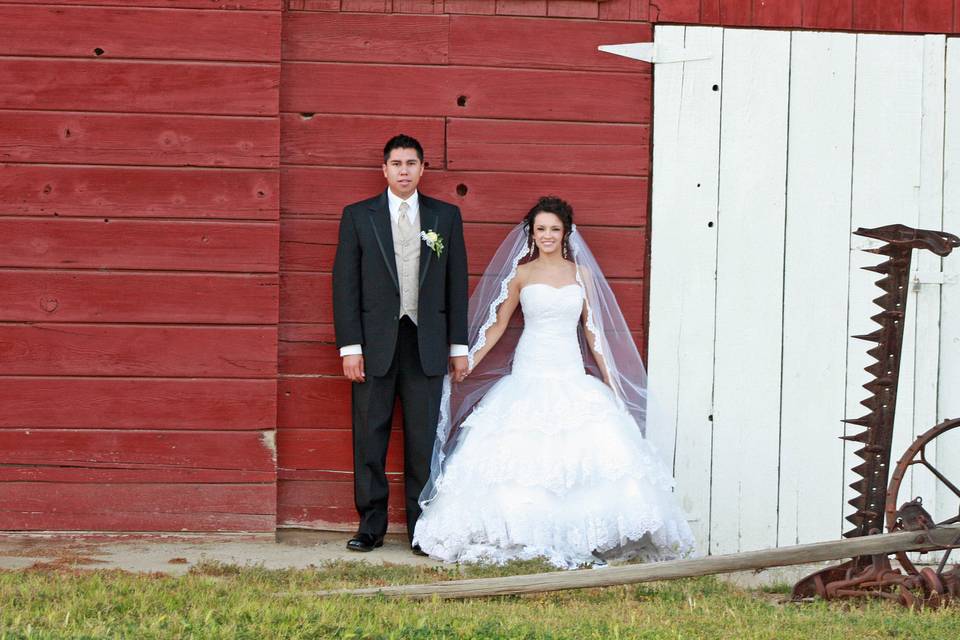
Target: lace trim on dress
[[492, 312]]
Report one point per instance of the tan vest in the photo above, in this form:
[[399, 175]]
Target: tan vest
[[407, 253]]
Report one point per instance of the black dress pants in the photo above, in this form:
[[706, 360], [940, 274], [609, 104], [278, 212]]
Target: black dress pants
[[373, 402]]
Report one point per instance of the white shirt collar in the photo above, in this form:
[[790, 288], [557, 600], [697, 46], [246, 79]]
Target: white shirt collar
[[393, 203]]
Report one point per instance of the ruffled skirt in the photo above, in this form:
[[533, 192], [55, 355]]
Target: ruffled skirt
[[553, 468]]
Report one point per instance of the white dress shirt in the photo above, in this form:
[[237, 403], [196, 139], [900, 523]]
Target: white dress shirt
[[413, 214]]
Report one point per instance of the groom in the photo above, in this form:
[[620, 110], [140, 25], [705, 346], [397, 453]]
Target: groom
[[400, 315]]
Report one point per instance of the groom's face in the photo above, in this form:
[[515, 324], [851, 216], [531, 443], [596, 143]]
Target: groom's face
[[402, 170]]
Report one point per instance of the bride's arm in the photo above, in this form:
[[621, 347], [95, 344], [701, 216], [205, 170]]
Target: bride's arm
[[496, 330]]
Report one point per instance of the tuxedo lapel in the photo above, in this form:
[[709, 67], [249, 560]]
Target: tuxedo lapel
[[383, 231], [428, 220]]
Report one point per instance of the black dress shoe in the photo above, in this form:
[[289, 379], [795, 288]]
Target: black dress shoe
[[364, 542], [417, 551]]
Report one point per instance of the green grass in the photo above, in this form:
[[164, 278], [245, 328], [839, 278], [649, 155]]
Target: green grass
[[223, 601]]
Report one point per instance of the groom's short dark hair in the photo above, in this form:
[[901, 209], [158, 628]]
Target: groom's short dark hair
[[402, 141]]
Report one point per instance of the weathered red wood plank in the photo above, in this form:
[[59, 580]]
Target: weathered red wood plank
[[735, 12], [156, 498], [418, 6], [351, 37], [347, 140], [307, 297], [318, 474], [487, 196], [614, 9], [878, 15], [679, 11], [139, 244], [315, 403], [137, 507], [329, 504], [710, 12], [828, 14], [91, 138], [51, 296], [928, 16], [479, 7], [219, 5], [111, 350], [139, 87], [313, 5], [329, 449], [482, 92], [308, 349], [522, 7], [139, 193], [366, 6], [141, 33], [640, 10], [512, 42], [574, 147], [147, 451], [118, 403], [135, 521], [307, 245], [31, 473], [573, 9], [777, 13]]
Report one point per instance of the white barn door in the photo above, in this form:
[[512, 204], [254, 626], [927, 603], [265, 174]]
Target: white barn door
[[766, 156]]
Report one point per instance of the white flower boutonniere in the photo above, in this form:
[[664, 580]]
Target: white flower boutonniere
[[433, 240]]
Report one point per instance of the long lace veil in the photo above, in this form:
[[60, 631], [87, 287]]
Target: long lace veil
[[612, 340]]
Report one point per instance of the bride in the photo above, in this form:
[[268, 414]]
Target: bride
[[540, 451]]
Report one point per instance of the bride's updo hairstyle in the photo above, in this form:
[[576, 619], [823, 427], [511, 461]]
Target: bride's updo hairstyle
[[560, 208]]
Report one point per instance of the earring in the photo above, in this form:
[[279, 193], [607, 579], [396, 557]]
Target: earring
[[563, 250]]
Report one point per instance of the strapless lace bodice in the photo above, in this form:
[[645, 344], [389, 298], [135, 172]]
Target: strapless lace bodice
[[548, 346]]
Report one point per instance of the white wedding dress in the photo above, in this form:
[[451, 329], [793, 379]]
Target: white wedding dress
[[549, 463]]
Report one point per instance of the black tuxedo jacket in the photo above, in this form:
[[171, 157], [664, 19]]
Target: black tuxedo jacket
[[366, 291]]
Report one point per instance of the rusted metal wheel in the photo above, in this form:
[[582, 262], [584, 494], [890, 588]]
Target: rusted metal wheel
[[916, 454]]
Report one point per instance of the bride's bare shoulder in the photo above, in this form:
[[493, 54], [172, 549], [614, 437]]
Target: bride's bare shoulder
[[523, 273]]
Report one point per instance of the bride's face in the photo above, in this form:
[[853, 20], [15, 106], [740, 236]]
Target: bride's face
[[547, 232]]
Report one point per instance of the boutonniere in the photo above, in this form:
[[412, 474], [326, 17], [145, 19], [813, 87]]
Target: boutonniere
[[433, 240]]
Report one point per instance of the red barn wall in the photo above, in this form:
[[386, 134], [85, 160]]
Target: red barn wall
[[139, 204]]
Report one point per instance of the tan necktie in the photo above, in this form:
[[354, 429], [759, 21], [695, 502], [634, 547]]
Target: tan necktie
[[404, 224]]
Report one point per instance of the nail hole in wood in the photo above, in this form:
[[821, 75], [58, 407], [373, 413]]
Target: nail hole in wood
[[98, 51], [307, 115], [461, 101], [716, 87], [462, 189]]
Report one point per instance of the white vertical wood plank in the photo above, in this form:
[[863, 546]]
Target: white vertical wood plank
[[926, 311], [948, 453], [886, 180], [752, 201], [686, 131], [815, 285]]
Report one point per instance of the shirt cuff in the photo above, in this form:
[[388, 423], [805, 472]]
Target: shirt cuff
[[351, 350], [457, 350]]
